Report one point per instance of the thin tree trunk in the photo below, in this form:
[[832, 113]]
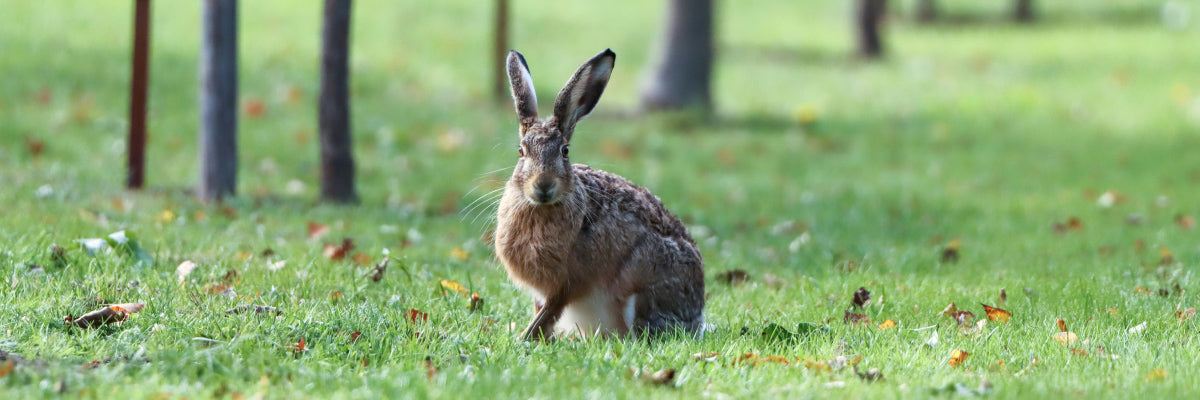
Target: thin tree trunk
[[218, 100], [136, 173], [867, 18], [927, 10], [1023, 10], [500, 53], [682, 73], [337, 157]]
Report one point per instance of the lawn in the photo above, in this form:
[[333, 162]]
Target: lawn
[[1053, 162]]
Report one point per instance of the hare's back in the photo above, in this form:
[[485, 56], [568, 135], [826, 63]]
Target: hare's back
[[614, 196]]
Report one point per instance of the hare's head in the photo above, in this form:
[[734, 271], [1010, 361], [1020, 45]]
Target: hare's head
[[543, 172]]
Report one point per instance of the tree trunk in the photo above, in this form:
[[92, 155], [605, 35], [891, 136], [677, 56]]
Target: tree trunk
[[1023, 10], [500, 53], [682, 73], [927, 10], [867, 18], [218, 100], [136, 173], [337, 157]]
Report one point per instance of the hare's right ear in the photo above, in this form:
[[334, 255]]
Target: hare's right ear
[[522, 89]]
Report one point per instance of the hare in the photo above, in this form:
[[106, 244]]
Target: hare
[[599, 254]]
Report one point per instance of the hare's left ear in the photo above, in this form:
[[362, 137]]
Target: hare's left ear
[[524, 98], [579, 97]]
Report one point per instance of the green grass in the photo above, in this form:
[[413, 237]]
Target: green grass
[[975, 129]]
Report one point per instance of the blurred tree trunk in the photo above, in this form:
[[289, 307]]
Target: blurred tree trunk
[[681, 75], [927, 10], [867, 18], [1023, 10], [500, 53], [136, 152], [218, 100], [337, 157]]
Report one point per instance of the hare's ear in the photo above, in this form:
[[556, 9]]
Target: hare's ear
[[522, 89], [579, 97]]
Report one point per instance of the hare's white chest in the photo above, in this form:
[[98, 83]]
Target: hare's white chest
[[598, 313]]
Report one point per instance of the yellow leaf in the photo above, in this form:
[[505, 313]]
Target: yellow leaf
[[455, 287], [166, 216], [957, 357], [242, 256], [1113, 312], [889, 324], [459, 254], [1156, 375]]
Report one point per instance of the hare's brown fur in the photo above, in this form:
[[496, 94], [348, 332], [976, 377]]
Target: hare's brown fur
[[598, 253]]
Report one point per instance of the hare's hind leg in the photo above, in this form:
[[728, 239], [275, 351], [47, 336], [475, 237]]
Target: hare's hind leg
[[671, 292]]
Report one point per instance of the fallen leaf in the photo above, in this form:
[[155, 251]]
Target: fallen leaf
[[950, 252], [950, 310], [166, 216], [706, 357], [888, 324], [258, 310], [354, 336], [413, 315], [1142, 290], [1185, 221], [870, 375], [1167, 258], [459, 254], [1138, 328], [957, 357], [1156, 375], [377, 273], [254, 108], [862, 297], [183, 270], [362, 259], [299, 347], [1003, 297], [454, 287], [6, 368], [1065, 338], [933, 341], [317, 231], [35, 146], [1185, 314], [338, 252], [1079, 352], [733, 277], [1062, 325], [336, 295], [113, 313], [476, 303], [430, 369], [855, 319], [661, 377], [996, 314]]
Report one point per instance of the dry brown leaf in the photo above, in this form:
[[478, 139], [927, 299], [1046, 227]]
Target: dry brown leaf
[[950, 252], [1167, 258], [299, 347], [855, 319], [113, 313], [430, 369], [996, 314], [377, 273], [354, 336], [476, 303], [338, 252], [413, 315], [733, 277], [1003, 297], [254, 107], [957, 357], [950, 310], [183, 270], [661, 377], [861, 298], [1185, 314], [1185, 221], [362, 259], [317, 231], [1062, 325], [870, 375]]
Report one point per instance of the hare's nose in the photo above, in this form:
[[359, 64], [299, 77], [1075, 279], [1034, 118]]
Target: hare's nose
[[544, 191]]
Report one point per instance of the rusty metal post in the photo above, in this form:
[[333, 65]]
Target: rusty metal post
[[136, 177]]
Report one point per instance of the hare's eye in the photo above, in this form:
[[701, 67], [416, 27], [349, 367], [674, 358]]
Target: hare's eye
[[520, 151], [564, 151]]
